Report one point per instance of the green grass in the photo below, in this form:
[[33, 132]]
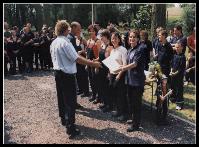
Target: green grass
[[189, 111]]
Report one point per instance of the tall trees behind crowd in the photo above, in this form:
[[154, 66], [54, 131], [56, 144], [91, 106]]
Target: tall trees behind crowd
[[142, 16]]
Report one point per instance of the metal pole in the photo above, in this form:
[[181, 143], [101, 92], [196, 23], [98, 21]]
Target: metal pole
[[92, 15]]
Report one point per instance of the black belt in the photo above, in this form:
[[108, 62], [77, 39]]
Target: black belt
[[65, 74]]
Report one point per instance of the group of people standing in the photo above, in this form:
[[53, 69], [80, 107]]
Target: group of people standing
[[77, 63], [24, 49]]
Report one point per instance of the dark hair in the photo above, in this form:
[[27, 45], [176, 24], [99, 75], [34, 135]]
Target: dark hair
[[180, 42], [118, 36], [179, 28], [136, 32], [74, 24], [164, 33], [146, 35], [15, 28], [106, 33], [94, 28]]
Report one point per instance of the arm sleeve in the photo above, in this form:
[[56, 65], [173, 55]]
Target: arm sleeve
[[70, 52], [138, 57], [124, 57]]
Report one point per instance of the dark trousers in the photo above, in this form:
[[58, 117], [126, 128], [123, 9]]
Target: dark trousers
[[67, 97], [6, 61], [28, 56], [190, 76], [36, 57], [177, 84], [93, 80], [118, 94], [13, 64], [162, 109], [20, 60], [82, 79], [135, 102], [103, 86]]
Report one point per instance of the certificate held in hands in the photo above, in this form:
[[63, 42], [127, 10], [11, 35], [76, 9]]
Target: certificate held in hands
[[111, 63]]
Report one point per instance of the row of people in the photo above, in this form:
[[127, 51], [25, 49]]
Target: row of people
[[25, 48], [122, 90]]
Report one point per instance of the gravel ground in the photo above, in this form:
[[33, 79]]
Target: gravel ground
[[31, 117]]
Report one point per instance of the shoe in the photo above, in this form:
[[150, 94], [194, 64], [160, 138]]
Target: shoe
[[133, 129], [78, 106], [116, 114], [102, 106], [186, 83], [74, 134], [106, 109], [63, 122], [178, 108], [122, 118], [92, 99], [85, 95], [79, 92], [96, 101], [129, 122]]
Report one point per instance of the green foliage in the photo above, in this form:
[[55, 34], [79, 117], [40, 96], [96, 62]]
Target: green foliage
[[143, 18], [188, 18]]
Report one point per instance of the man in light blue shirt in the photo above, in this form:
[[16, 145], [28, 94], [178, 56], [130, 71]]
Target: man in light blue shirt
[[63, 55], [64, 58]]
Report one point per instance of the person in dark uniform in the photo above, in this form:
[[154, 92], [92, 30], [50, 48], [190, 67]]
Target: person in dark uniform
[[36, 50], [44, 49], [81, 72], [177, 74], [92, 53], [102, 73], [27, 41], [155, 43], [64, 58], [76, 29], [148, 47], [135, 79], [178, 36], [13, 50], [164, 54], [6, 57]]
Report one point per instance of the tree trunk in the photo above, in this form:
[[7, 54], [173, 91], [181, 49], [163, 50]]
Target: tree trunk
[[158, 18]]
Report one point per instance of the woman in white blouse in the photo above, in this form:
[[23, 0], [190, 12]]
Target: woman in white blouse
[[117, 80]]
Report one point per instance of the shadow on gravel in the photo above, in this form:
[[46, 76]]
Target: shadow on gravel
[[25, 75], [96, 114], [7, 139], [16, 77], [176, 132], [109, 135]]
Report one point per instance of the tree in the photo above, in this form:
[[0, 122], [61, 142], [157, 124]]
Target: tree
[[158, 17], [143, 18], [188, 18]]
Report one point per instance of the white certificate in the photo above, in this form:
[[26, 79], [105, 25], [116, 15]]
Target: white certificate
[[112, 64]]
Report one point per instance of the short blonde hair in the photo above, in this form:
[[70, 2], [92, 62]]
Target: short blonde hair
[[61, 26]]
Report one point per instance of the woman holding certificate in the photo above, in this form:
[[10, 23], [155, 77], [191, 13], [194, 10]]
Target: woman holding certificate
[[117, 79], [135, 78]]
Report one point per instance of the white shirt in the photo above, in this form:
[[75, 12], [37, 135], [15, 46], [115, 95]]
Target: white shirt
[[120, 55], [63, 55]]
